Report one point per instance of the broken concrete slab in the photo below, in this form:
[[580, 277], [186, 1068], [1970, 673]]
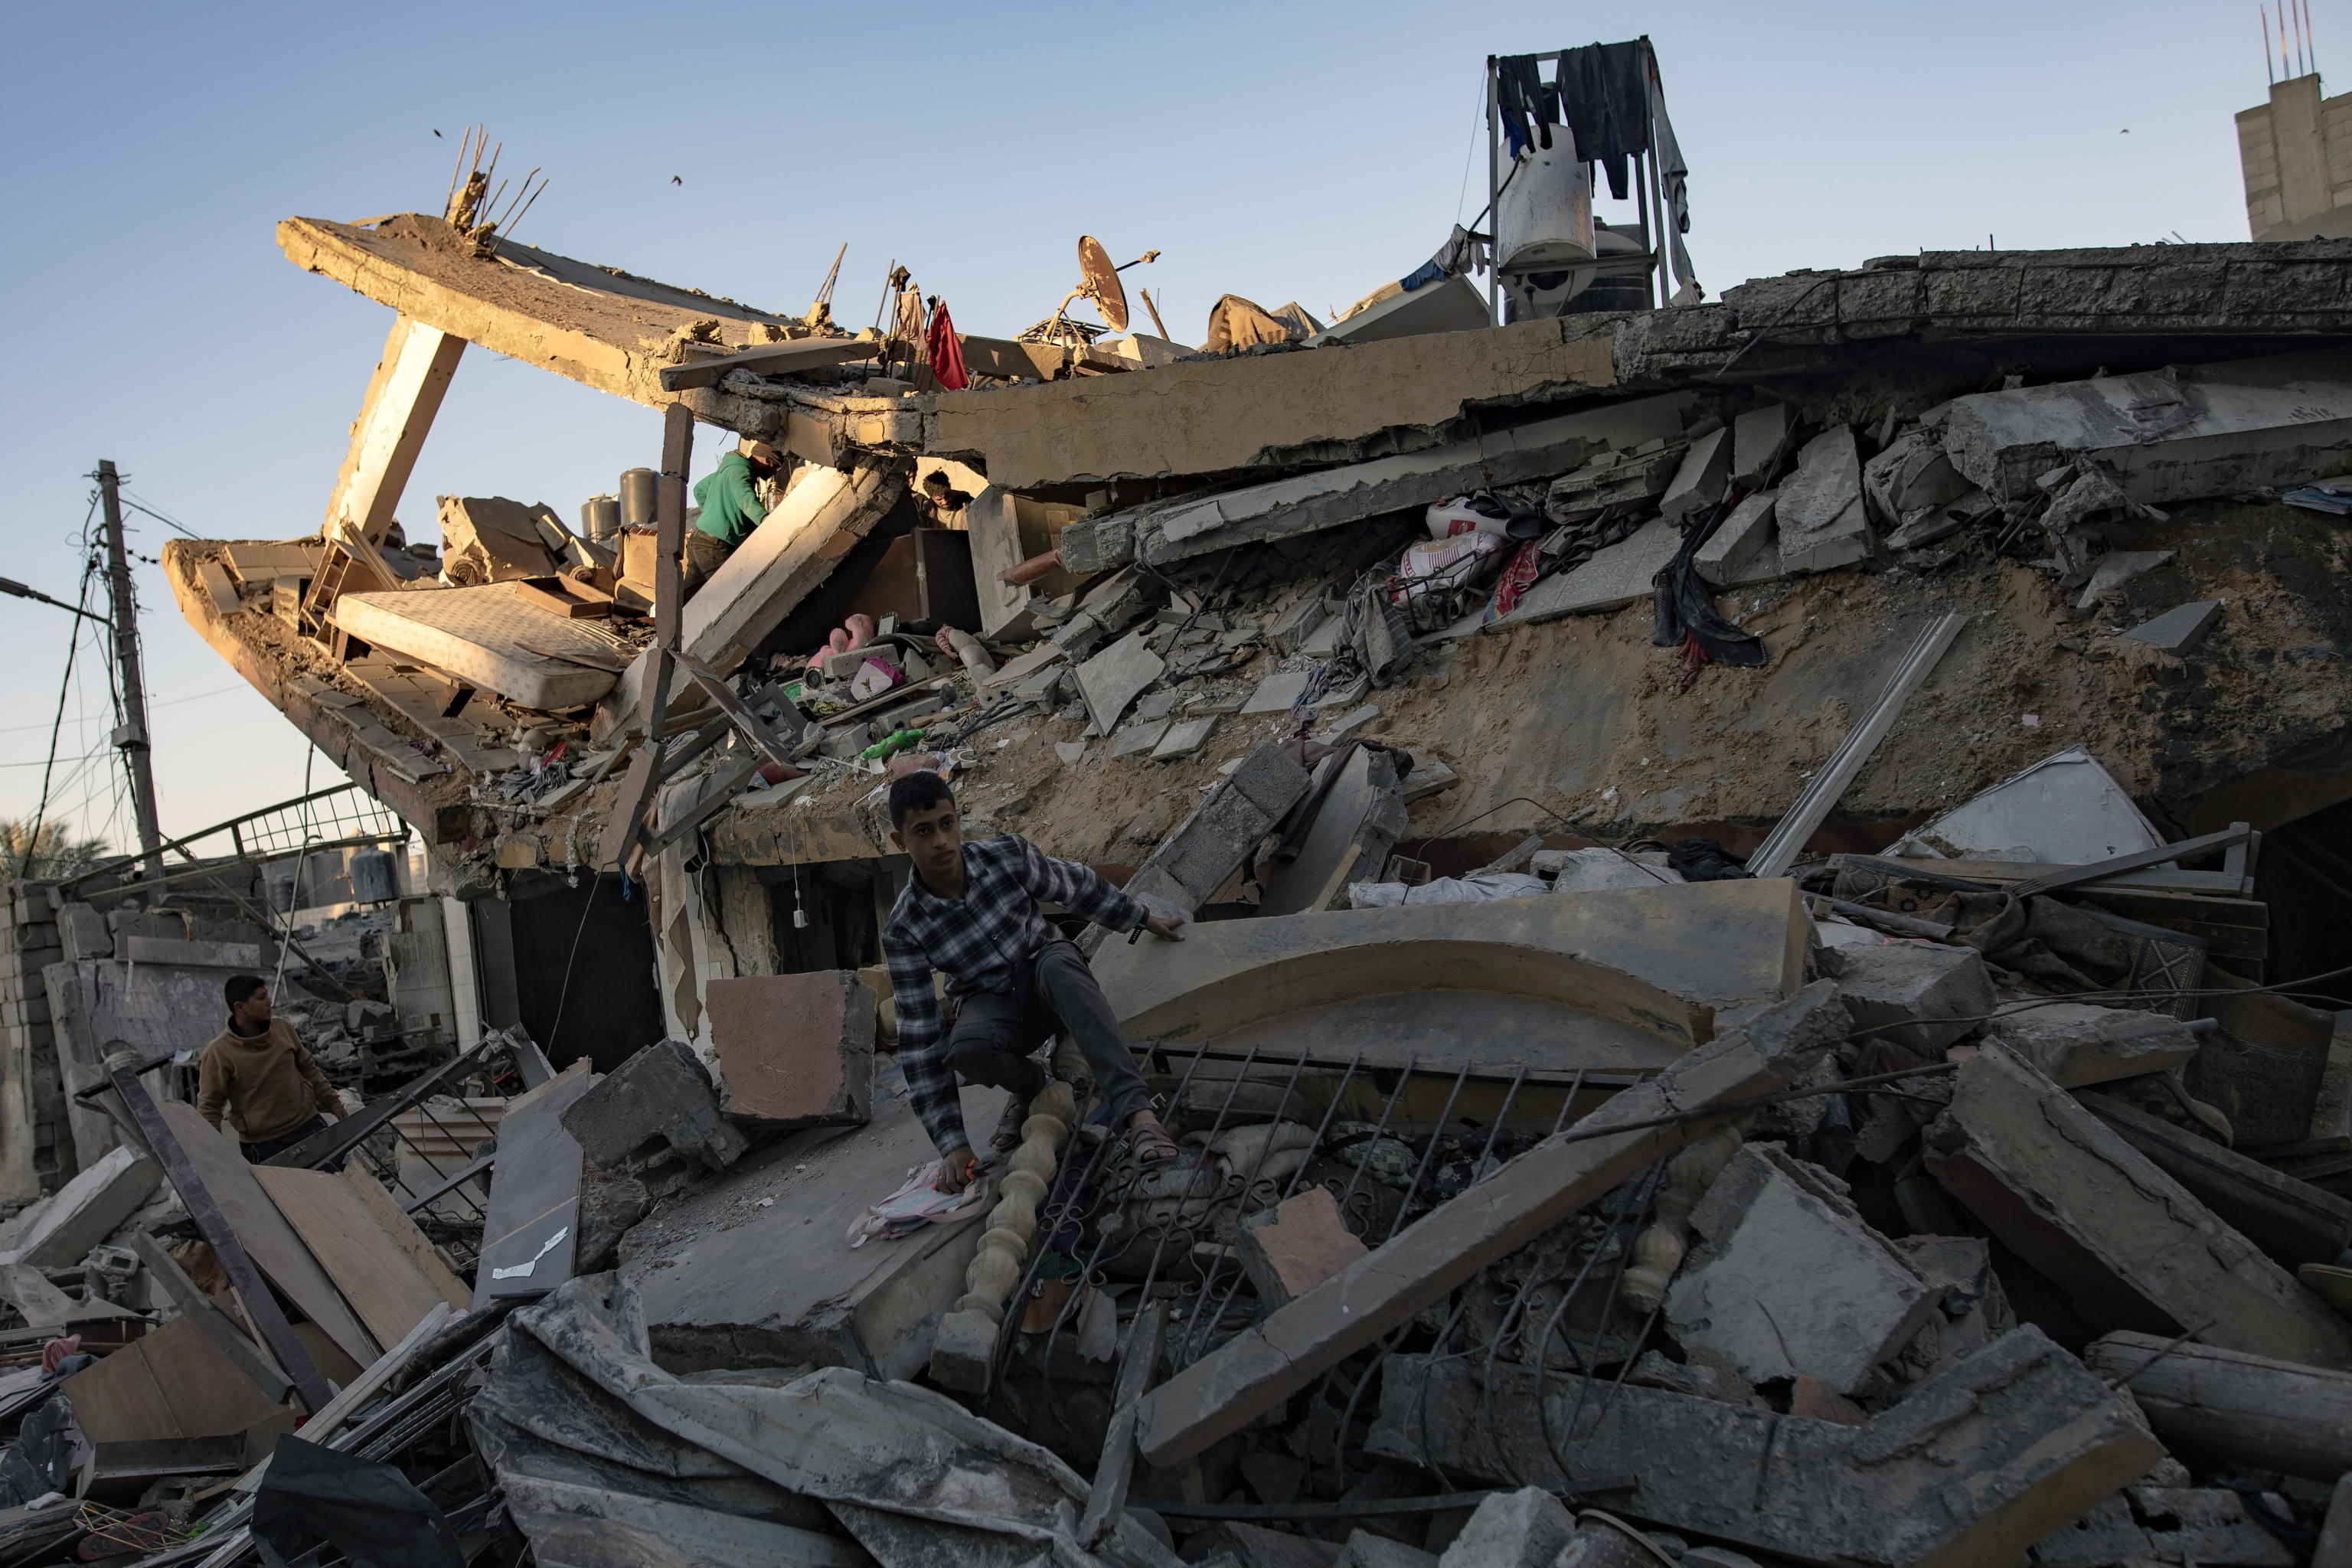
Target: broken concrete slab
[[2208, 1525], [795, 548], [86, 1210], [1824, 521], [2226, 1408], [2180, 630], [2117, 567], [1615, 480], [2079, 1045], [2293, 1221], [1355, 827], [1328, 498], [1184, 738], [1365, 1549], [1919, 995], [1109, 608], [1290, 1249], [1525, 1529], [1615, 577], [1211, 416], [1592, 870], [1790, 1280], [1250, 1373], [2133, 1247], [706, 1267], [1699, 483], [2166, 435], [1741, 544], [1194, 861], [1278, 692], [655, 1118], [1117, 675], [1614, 977], [1759, 439], [1911, 481], [2064, 810], [2040, 1439], [794, 1050], [1139, 737]]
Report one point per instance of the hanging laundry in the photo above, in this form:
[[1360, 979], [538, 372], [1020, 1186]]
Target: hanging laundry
[[1524, 95], [1604, 96], [1673, 179], [947, 351]]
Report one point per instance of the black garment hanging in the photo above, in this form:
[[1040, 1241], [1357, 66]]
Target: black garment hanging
[[1683, 606], [1524, 95], [1605, 99]]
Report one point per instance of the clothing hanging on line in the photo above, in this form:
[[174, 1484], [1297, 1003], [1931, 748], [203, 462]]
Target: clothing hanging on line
[[1530, 105], [1604, 96]]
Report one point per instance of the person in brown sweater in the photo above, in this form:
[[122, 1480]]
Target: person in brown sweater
[[261, 1074]]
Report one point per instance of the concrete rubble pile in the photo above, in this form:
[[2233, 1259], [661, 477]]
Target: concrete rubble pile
[[1736, 1010]]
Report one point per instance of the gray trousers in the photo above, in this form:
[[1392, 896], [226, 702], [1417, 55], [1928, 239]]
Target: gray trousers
[[1054, 992]]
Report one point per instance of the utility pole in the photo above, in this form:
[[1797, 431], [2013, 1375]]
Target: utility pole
[[131, 736]]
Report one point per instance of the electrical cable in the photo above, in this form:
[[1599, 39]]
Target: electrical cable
[[57, 722]]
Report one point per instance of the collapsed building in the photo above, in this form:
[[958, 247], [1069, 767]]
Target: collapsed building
[[1768, 882]]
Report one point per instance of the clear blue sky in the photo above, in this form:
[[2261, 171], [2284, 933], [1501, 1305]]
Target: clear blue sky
[[1276, 150]]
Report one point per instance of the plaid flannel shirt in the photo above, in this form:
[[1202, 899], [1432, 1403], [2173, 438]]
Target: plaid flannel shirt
[[979, 942]]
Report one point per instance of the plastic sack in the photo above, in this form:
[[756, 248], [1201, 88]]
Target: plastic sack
[[1467, 514], [1438, 566], [916, 1203], [1482, 887]]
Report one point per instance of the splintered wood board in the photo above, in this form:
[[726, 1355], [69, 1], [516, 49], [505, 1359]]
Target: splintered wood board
[[173, 1382], [275, 1250], [381, 1283]]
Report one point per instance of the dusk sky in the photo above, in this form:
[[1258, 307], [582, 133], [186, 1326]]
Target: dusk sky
[[1280, 152]]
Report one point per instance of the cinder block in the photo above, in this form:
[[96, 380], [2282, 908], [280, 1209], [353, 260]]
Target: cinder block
[[1525, 1529], [794, 1050], [2077, 1044]]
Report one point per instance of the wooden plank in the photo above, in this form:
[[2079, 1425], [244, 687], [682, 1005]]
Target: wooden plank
[[405, 1236], [777, 359], [267, 1238], [402, 398], [172, 1383], [382, 1284], [561, 596], [2003, 873], [264, 1318], [197, 1308], [532, 1226]]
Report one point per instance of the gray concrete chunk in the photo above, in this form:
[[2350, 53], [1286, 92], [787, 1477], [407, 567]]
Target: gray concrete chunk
[[1759, 439], [1824, 520], [1790, 1280], [2077, 1044], [2133, 1247], [1698, 484], [1741, 543], [2180, 630], [1981, 1460], [86, 1210], [1525, 1529], [655, 1117], [1917, 994], [1116, 677], [1615, 577]]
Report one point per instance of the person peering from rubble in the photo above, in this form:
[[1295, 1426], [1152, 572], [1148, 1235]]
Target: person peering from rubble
[[971, 913], [258, 1070], [729, 498], [940, 501]]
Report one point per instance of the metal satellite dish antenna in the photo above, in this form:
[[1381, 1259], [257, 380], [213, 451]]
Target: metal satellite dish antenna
[[1098, 281]]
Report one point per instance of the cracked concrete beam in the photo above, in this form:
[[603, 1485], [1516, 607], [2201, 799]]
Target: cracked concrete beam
[[1309, 405], [1249, 1375], [598, 327]]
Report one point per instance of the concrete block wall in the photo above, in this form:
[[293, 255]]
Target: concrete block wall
[[2295, 154], [36, 1153]]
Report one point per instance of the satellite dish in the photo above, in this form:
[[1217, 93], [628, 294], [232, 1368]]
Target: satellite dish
[[1100, 282]]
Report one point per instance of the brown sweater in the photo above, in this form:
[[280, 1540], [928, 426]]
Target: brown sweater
[[268, 1082]]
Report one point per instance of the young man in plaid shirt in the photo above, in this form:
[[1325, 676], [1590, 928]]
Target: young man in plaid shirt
[[971, 913]]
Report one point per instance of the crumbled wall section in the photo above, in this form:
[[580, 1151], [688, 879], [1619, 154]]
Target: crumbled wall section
[[36, 1154]]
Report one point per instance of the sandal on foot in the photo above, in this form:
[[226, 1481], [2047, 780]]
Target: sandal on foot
[[1008, 1127], [1150, 1145]]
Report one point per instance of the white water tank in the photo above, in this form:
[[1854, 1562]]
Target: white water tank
[[1543, 221]]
